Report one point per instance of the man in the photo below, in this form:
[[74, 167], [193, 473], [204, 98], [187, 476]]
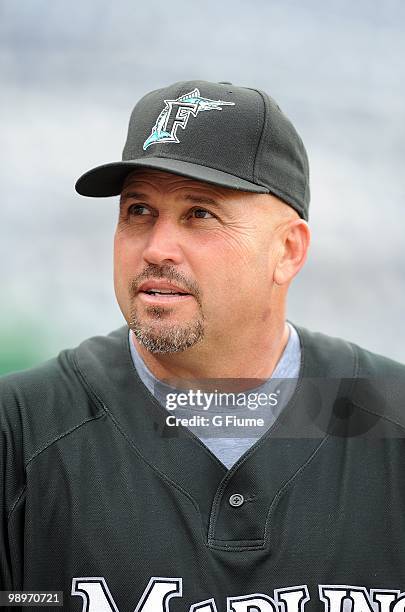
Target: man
[[129, 481]]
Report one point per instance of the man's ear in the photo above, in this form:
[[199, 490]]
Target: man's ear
[[295, 242]]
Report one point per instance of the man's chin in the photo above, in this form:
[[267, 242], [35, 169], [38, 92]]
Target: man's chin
[[161, 337]]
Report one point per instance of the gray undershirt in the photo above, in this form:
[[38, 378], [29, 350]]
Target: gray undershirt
[[228, 425]]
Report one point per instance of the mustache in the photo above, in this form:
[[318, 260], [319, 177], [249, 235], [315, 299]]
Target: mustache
[[169, 273]]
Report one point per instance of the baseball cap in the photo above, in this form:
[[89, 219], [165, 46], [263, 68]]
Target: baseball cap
[[223, 134]]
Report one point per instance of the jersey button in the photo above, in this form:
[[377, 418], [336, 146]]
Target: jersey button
[[236, 500]]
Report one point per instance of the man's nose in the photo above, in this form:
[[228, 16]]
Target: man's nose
[[163, 243]]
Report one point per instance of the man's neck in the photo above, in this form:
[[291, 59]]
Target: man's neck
[[234, 360]]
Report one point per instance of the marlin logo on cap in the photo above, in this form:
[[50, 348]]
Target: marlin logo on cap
[[176, 113]]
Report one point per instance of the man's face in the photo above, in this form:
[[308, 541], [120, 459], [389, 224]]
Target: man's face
[[214, 249]]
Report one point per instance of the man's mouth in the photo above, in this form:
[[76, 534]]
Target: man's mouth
[[155, 297], [162, 292]]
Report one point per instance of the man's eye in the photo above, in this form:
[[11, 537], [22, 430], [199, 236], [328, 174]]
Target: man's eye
[[201, 212], [138, 210]]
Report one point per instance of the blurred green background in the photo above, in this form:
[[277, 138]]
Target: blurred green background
[[22, 347]]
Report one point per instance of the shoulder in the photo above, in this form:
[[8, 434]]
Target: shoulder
[[374, 383], [323, 347], [379, 387], [50, 400], [374, 364]]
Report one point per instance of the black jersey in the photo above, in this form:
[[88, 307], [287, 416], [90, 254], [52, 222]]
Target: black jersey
[[105, 502]]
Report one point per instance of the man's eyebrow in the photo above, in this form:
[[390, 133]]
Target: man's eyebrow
[[199, 199], [133, 194]]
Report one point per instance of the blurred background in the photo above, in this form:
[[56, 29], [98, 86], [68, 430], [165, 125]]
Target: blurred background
[[70, 75]]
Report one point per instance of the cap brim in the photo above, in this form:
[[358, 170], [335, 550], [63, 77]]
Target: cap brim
[[107, 180]]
